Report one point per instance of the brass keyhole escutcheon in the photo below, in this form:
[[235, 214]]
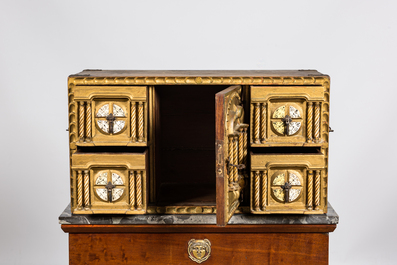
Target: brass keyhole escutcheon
[[199, 250]]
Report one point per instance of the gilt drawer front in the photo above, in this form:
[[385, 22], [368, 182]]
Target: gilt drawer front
[[108, 115], [288, 183], [289, 116], [105, 183]]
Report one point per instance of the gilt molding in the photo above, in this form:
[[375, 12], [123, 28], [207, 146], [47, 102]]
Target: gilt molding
[[237, 80]]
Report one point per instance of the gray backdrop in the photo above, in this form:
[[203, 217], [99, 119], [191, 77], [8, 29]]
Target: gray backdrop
[[42, 42]]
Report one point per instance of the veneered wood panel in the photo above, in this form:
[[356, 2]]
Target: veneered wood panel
[[158, 248]]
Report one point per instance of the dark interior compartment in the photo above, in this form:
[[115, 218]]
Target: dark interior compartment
[[286, 150], [111, 149], [185, 145]]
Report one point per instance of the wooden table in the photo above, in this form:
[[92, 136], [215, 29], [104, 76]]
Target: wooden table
[[163, 239]]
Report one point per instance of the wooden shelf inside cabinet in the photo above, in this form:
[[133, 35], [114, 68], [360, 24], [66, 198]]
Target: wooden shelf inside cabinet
[[164, 239]]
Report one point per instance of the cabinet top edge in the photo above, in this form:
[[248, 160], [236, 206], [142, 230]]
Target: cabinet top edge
[[198, 73]]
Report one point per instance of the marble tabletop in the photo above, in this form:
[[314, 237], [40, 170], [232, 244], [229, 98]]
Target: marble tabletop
[[238, 219]]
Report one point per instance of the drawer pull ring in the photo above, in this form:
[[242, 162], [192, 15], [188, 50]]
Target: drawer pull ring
[[199, 250]]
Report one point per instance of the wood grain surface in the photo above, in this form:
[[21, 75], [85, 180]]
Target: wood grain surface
[[166, 248]]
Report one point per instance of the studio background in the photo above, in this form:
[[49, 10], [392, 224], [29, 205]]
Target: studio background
[[42, 42]]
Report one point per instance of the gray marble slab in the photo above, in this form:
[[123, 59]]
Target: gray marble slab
[[238, 219]]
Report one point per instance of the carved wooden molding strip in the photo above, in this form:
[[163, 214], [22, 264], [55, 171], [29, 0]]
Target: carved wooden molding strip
[[136, 199], [310, 190], [198, 80], [86, 189], [79, 189], [264, 190]]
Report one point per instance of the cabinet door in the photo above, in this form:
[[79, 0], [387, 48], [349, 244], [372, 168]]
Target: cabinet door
[[289, 115], [231, 152], [109, 116], [109, 183], [288, 183]]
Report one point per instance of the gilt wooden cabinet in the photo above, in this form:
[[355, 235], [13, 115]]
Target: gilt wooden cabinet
[[199, 142]]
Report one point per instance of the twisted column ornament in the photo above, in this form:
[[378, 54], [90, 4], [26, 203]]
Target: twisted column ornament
[[317, 121], [81, 121], [241, 147], [140, 121], [309, 127], [133, 121], [245, 146], [139, 190], [79, 189], [263, 122], [235, 158], [257, 182], [88, 118], [86, 189], [264, 190], [317, 187], [310, 190], [132, 190], [231, 159], [257, 123]]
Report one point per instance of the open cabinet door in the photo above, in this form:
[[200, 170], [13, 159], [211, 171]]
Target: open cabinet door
[[231, 152]]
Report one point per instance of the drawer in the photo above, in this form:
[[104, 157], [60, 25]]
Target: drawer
[[109, 183], [198, 248], [289, 115], [288, 183], [109, 115]]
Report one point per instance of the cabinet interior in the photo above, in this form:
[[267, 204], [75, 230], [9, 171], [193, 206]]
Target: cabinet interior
[[185, 145]]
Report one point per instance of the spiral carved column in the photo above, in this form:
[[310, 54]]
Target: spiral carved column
[[310, 190], [264, 190], [317, 121], [79, 190], [132, 190], [317, 188], [263, 122], [81, 120], [140, 121], [235, 156], [241, 147], [139, 190], [86, 189], [133, 121], [257, 123], [245, 135], [88, 118], [309, 127], [231, 159], [256, 195]]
